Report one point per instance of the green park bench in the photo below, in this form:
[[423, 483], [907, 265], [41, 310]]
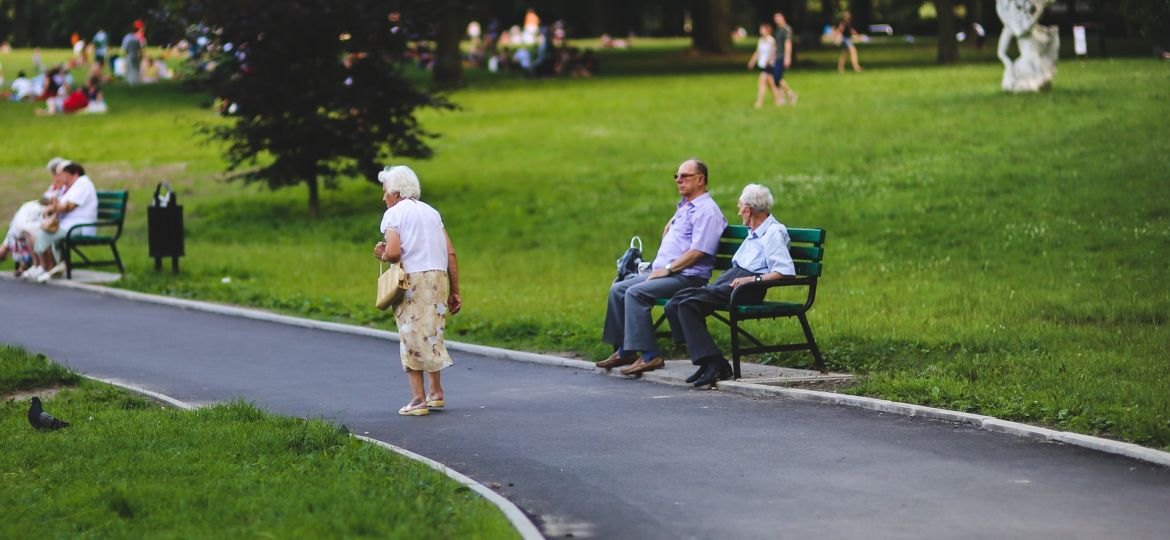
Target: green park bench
[[111, 213], [807, 250]]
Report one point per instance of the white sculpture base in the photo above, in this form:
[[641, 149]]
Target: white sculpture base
[[1035, 68], [1039, 46]]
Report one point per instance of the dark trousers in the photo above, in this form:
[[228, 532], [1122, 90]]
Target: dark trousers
[[688, 310], [627, 314]]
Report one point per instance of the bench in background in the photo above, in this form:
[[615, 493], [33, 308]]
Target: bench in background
[[111, 214]]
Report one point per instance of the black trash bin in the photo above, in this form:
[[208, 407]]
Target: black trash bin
[[164, 225]]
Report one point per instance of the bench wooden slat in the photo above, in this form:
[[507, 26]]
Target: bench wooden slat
[[806, 253], [810, 236], [810, 269], [735, 232]]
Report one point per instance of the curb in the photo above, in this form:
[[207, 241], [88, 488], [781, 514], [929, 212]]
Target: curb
[[515, 516], [988, 423]]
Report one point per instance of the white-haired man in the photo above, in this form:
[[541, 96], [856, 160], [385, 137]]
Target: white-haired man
[[763, 256]]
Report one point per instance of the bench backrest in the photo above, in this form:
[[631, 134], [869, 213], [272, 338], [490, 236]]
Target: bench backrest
[[806, 248], [112, 205]]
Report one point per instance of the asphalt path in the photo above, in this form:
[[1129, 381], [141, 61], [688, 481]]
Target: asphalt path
[[597, 456]]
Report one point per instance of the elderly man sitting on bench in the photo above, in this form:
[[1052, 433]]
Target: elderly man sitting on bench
[[762, 256]]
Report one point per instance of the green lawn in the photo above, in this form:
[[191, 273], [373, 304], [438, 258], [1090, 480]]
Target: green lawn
[[129, 468], [986, 252]]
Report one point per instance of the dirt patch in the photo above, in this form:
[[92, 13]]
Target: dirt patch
[[124, 176], [25, 395]]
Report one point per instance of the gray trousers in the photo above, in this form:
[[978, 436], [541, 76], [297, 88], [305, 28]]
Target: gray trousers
[[627, 316], [688, 310]]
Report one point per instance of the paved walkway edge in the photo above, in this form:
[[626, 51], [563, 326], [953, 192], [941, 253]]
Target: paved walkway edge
[[515, 516], [989, 423]]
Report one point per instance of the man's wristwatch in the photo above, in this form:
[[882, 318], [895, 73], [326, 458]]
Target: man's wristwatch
[[670, 269], [759, 279]]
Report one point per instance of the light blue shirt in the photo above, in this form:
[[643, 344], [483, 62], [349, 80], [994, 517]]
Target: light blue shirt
[[766, 250]]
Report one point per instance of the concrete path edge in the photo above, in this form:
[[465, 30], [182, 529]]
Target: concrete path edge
[[519, 521], [988, 423]]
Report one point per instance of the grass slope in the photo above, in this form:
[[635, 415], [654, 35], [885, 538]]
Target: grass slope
[[128, 469], [987, 252]]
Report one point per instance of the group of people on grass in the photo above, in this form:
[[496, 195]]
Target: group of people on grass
[[414, 235], [35, 234], [55, 85]]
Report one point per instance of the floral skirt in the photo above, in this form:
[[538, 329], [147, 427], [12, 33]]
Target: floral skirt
[[422, 321]]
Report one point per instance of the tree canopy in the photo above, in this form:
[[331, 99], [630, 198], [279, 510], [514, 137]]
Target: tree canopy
[[313, 88]]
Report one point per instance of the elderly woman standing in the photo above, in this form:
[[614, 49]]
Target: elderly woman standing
[[414, 236]]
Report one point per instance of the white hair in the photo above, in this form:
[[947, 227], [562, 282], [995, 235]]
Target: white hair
[[757, 197], [401, 180], [56, 163]]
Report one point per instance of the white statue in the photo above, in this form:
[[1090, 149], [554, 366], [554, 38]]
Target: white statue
[[1039, 45]]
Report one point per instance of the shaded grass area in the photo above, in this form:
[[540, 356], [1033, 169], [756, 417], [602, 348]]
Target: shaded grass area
[[986, 252], [130, 468], [20, 370]]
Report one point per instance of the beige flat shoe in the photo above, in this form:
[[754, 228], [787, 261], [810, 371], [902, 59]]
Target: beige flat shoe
[[417, 410]]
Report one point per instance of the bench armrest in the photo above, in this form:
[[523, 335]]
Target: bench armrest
[[107, 223], [747, 288]]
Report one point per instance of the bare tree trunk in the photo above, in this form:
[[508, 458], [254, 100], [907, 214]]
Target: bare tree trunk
[[862, 11], [711, 21], [828, 11], [314, 199], [948, 44], [448, 69]]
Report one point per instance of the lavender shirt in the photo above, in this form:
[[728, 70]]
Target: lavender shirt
[[696, 224]]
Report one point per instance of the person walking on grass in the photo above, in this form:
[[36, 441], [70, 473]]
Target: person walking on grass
[[763, 256], [763, 60], [845, 32], [685, 259], [783, 37], [414, 235]]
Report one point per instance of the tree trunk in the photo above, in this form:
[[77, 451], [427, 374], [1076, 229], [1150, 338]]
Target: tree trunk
[[314, 199], [448, 69], [711, 20], [948, 44], [862, 11], [975, 11], [828, 11]]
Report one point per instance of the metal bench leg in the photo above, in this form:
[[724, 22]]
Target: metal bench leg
[[68, 249], [117, 259], [734, 347], [812, 343]]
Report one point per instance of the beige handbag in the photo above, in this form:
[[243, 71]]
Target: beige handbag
[[391, 286]]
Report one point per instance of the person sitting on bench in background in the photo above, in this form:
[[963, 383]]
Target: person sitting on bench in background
[[762, 256], [79, 204], [26, 223]]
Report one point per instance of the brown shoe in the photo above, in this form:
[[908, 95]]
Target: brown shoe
[[616, 360], [642, 366]]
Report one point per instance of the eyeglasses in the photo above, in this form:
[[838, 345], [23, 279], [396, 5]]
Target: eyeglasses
[[684, 175]]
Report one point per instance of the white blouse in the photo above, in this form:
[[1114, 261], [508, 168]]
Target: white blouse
[[420, 229]]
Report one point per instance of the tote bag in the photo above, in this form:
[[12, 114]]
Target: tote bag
[[391, 286]]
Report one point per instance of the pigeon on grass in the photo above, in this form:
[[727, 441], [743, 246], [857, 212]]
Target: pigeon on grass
[[40, 419]]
